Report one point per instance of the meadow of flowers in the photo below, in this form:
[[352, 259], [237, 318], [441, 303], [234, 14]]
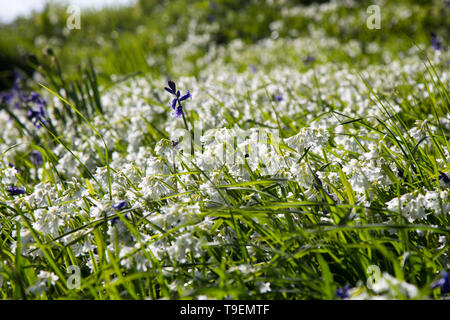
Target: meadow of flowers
[[310, 163]]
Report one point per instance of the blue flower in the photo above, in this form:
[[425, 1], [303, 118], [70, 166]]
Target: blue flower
[[115, 220], [17, 98], [442, 283], [309, 59], [444, 177], [175, 143], [343, 292], [36, 158], [34, 97], [37, 116], [6, 97], [436, 43], [278, 98], [178, 98], [179, 111], [13, 191], [120, 206]]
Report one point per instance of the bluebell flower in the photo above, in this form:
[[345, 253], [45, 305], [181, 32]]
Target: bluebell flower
[[120, 206], [172, 87], [117, 219], [34, 97], [114, 220], [343, 292], [175, 104], [13, 191], [175, 143], [278, 98], [11, 165], [17, 98], [442, 283], [18, 78], [36, 158], [444, 177], [37, 116], [309, 59], [6, 97], [436, 43]]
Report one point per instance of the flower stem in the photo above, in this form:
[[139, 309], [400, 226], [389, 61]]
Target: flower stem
[[185, 123]]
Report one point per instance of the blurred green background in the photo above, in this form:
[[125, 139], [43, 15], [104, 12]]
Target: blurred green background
[[134, 39]]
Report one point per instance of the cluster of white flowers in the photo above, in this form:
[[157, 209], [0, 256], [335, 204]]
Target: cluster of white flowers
[[414, 205], [44, 281], [239, 114], [386, 287]]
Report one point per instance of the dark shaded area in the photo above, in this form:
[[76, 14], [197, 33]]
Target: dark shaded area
[[7, 66]]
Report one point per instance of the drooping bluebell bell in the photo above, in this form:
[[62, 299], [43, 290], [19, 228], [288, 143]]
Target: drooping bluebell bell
[[343, 292], [175, 104], [37, 116], [175, 143], [309, 59], [16, 97], [436, 43], [5, 97], [444, 177], [120, 206], [442, 283], [36, 158], [278, 98], [35, 97], [13, 191], [115, 220], [12, 165]]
